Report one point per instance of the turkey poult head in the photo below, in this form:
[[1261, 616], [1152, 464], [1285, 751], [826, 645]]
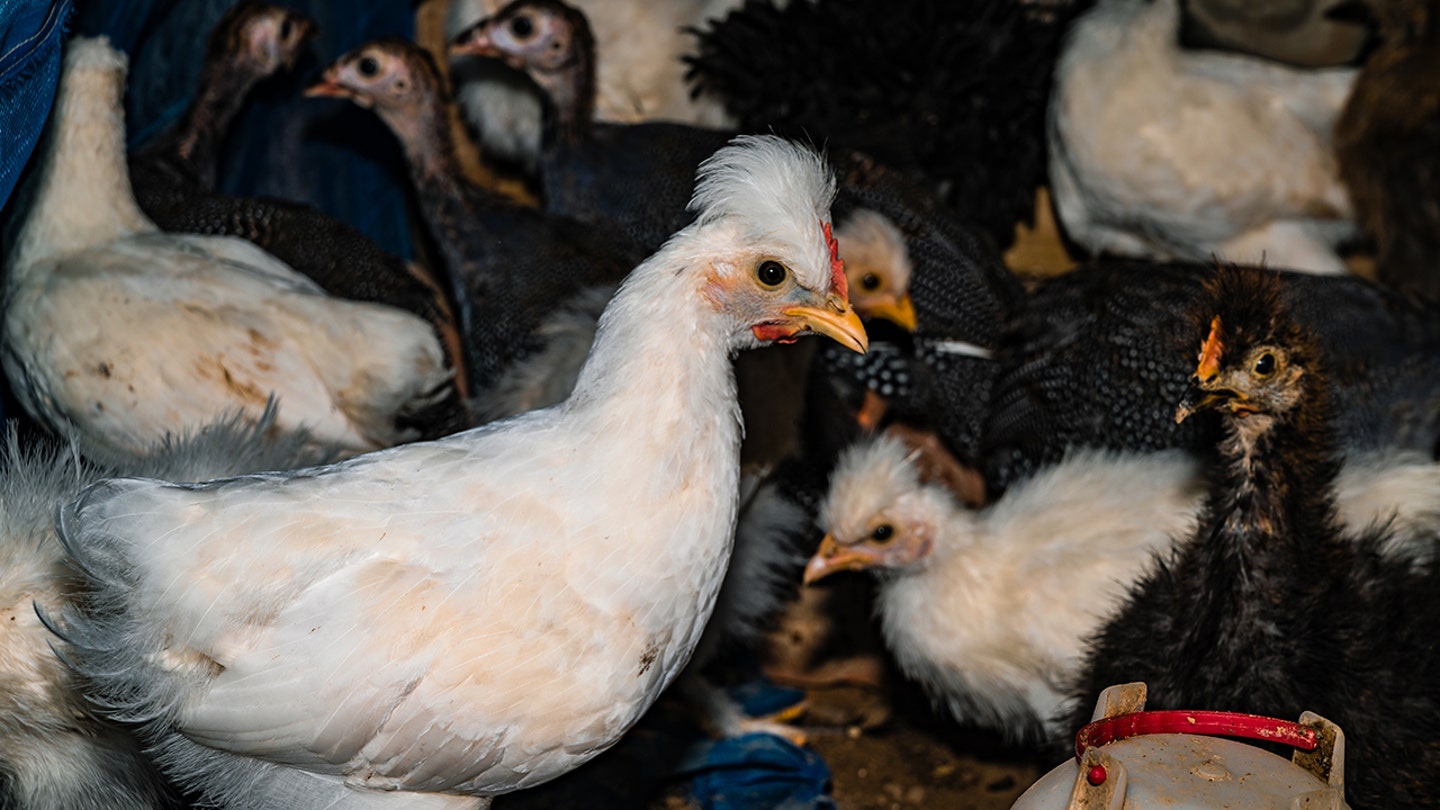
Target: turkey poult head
[[878, 514], [259, 38], [388, 75], [1252, 364]]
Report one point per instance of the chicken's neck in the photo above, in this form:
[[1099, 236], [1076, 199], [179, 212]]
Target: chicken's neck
[[1269, 520], [83, 195]]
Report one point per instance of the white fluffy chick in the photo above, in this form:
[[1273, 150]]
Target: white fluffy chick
[[640, 75], [1166, 153], [434, 624], [121, 335], [56, 753], [991, 610]]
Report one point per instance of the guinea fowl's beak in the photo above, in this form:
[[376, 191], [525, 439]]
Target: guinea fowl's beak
[[836, 320], [833, 558], [474, 41], [899, 311], [329, 87]]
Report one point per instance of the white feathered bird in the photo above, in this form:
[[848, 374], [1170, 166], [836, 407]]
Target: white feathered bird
[[1166, 153], [121, 335], [56, 752], [441, 622], [640, 76], [991, 611]]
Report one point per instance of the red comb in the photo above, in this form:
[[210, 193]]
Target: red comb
[[1210, 352], [837, 264]]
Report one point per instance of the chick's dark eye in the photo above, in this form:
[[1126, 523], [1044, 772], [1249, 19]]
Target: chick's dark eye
[[1265, 365], [285, 30], [369, 66], [882, 533], [870, 282], [771, 273], [522, 27]]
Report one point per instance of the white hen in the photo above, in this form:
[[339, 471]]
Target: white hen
[[1172, 154], [122, 335], [437, 623], [56, 753], [990, 611], [641, 76]]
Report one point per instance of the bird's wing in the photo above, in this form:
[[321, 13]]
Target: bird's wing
[[144, 338], [345, 619]]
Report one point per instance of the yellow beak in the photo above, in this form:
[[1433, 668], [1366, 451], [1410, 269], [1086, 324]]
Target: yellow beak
[[837, 321], [900, 311], [833, 558]]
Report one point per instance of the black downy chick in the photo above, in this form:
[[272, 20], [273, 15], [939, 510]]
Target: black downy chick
[[953, 91], [1269, 608], [174, 179], [1387, 140], [1094, 355], [509, 264], [635, 176]]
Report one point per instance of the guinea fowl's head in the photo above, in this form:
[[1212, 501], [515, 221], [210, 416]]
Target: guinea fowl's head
[[878, 514], [877, 263], [259, 38], [1254, 359], [541, 37], [763, 240], [395, 77]]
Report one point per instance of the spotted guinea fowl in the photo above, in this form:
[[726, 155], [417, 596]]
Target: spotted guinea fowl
[[1386, 140], [633, 176], [1162, 152], [124, 334], [173, 177], [509, 263], [952, 91], [1270, 607], [632, 83], [1093, 355], [56, 752], [438, 623]]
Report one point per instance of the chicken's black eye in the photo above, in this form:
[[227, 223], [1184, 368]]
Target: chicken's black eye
[[522, 27], [285, 28], [368, 66], [1265, 365], [869, 282], [771, 273], [882, 533]]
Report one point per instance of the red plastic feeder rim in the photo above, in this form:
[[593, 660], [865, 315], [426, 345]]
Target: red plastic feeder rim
[[1224, 724]]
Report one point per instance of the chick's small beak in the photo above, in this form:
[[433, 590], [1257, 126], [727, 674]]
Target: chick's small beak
[[474, 41], [1199, 398], [900, 311], [836, 320], [327, 86], [833, 558]]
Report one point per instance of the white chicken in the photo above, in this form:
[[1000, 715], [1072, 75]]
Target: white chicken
[[437, 623], [990, 611], [121, 334], [1161, 152], [55, 752], [634, 82]]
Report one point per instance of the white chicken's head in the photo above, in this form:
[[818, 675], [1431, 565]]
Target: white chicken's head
[[259, 38], [394, 76], [877, 263], [878, 514], [537, 36], [763, 240]]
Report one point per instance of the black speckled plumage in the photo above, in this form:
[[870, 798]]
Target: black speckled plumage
[[508, 264], [173, 178], [1098, 355], [955, 90], [1268, 609]]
